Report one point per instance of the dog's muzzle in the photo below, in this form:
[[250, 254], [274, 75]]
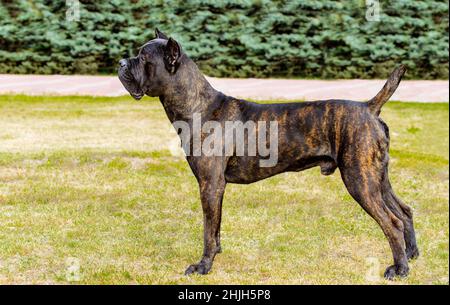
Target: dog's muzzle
[[128, 81]]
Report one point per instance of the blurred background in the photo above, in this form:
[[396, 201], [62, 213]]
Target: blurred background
[[254, 38]]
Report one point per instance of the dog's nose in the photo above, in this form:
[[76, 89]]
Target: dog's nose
[[122, 62]]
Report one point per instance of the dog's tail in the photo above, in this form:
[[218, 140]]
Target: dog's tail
[[389, 88]]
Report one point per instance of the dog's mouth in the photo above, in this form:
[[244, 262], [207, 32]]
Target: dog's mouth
[[130, 84], [137, 97]]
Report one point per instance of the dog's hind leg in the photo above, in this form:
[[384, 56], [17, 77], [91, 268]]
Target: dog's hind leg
[[364, 185], [403, 212]]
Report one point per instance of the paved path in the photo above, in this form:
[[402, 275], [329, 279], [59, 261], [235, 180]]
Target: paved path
[[261, 89]]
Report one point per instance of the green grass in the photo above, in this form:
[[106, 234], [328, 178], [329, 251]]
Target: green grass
[[98, 182]]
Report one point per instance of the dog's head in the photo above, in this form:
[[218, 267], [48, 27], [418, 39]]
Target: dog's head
[[152, 70]]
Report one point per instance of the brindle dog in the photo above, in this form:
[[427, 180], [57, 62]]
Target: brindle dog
[[331, 134]]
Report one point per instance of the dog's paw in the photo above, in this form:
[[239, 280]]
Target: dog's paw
[[200, 268], [396, 271], [412, 253]]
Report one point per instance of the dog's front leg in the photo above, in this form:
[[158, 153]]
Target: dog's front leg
[[211, 193]]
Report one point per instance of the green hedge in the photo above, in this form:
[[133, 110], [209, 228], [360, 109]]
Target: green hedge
[[259, 38]]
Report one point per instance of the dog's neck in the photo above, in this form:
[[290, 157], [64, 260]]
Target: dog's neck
[[190, 93]]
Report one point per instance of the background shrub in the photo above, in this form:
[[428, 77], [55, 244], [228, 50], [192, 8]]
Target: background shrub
[[250, 38]]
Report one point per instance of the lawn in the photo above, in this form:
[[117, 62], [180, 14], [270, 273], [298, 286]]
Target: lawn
[[95, 190]]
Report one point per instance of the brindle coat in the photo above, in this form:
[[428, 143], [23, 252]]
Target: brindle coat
[[331, 134]]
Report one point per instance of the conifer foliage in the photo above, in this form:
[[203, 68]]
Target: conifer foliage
[[248, 38]]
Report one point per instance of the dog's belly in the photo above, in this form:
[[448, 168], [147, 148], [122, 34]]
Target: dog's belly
[[245, 170]]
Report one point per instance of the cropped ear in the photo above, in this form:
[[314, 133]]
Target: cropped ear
[[160, 34], [172, 54]]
